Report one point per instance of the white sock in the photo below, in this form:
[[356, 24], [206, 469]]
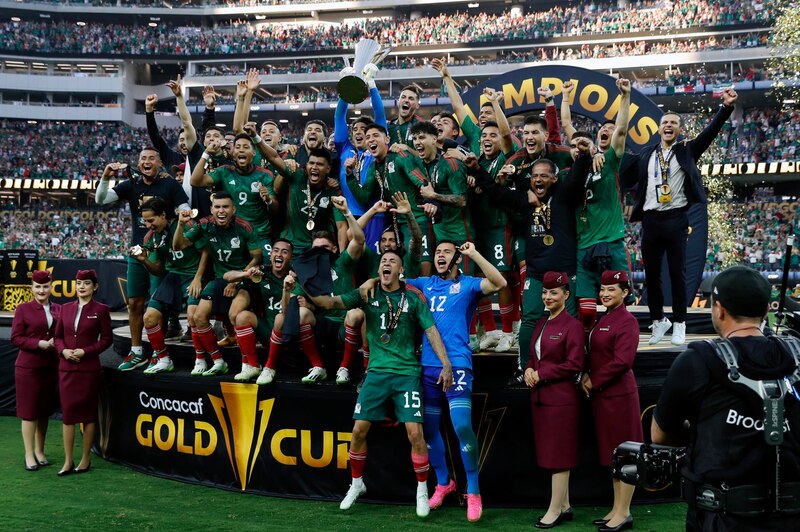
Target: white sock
[[137, 350]]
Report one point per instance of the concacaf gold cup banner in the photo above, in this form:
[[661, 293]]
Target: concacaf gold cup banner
[[293, 440]]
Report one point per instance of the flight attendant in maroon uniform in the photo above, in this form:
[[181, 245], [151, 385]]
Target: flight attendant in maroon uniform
[[557, 354], [82, 333], [36, 369], [611, 385]]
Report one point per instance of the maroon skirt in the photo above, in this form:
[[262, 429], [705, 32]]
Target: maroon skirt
[[80, 393], [555, 435], [616, 419], [37, 392]]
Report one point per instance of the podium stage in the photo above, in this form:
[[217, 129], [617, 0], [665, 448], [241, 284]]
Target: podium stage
[[291, 440]]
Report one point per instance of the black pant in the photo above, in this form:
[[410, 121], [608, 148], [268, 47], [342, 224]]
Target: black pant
[[665, 232]]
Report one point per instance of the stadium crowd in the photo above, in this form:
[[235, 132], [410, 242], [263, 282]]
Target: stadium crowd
[[239, 37]]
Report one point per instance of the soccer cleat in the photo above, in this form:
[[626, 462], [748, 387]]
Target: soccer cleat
[[174, 332], [187, 336], [200, 366], [357, 489], [132, 362], [678, 333], [228, 341], [342, 376], [151, 364], [248, 373], [315, 375], [440, 493], [423, 506], [163, 365], [490, 340], [505, 343], [266, 377], [517, 379], [474, 507], [659, 329], [474, 343], [220, 367]]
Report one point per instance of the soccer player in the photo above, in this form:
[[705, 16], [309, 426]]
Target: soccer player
[[257, 323], [184, 279], [234, 246], [250, 186], [407, 107], [392, 386], [147, 182], [453, 298], [333, 326], [600, 223]]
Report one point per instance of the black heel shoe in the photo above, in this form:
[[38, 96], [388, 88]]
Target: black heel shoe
[[568, 514], [554, 524], [65, 472], [34, 467], [600, 522], [86, 469], [627, 524], [43, 462]]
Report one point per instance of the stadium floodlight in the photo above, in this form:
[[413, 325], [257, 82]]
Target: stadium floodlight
[[152, 24], [15, 19], [283, 121], [81, 23], [260, 17], [473, 5], [220, 125], [790, 102]]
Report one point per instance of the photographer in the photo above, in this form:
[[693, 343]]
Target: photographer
[[731, 472]]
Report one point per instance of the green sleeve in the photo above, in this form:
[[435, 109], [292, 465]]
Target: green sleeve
[[192, 231], [457, 180], [338, 216], [268, 182], [252, 240], [217, 175], [612, 159], [353, 299], [411, 170], [363, 192], [472, 133]]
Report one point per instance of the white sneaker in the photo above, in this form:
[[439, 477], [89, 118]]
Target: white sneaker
[[220, 367], [515, 333], [474, 343], [248, 373], [342, 376], [490, 340], [200, 367], [266, 377], [315, 375], [357, 489], [659, 329], [678, 333], [164, 365], [505, 343], [423, 505]]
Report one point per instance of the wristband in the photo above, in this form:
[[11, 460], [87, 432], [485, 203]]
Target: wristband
[[548, 99], [257, 139], [205, 156]]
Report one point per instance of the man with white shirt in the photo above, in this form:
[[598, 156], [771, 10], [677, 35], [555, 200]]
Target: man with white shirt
[[668, 182]]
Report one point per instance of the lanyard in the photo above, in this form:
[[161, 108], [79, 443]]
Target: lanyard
[[663, 163]]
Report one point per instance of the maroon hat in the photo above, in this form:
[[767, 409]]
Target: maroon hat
[[41, 277], [613, 277], [86, 275], [555, 280]]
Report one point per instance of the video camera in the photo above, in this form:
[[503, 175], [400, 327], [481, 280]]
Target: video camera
[[652, 467]]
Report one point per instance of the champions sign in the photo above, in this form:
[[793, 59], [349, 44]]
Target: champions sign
[[595, 96]]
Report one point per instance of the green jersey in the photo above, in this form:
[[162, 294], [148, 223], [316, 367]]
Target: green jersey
[[183, 262], [306, 205], [397, 355], [271, 288], [343, 274], [400, 133], [600, 217], [244, 189], [472, 132], [230, 246], [481, 208], [398, 172], [449, 177], [372, 260]]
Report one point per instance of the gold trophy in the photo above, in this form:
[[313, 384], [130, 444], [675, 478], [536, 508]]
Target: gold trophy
[[352, 86]]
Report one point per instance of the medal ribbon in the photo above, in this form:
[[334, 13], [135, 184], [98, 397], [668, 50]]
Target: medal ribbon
[[664, 164], [312, 211], [394, 317]]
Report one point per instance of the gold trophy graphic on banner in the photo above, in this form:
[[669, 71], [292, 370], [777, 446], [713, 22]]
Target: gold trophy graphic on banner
[[352, 86]]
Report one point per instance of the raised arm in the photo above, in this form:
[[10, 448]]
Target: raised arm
[[493, 280], [355, 248], [179, 239], [104, 196], [199, 176], [703, 140], [210, 111], [156, 139], [506, 138], [550, 116], [566, 113], [450, 86], [244, 97], [403, 207], [621, 124], [183, 112]]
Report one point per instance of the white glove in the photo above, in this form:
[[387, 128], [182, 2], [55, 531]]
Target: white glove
[[369, 72], [347, 71]]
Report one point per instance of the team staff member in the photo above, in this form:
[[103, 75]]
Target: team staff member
[[727, 453], [234, 246], [557, 356], [394, 317], [612, 387], [36, 368], [82, 333], [669, 182], [180, 286], [147, 182], [550, 229]]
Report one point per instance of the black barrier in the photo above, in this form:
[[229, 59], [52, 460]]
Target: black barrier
[[292, 440], [8, 399], [111, 273]]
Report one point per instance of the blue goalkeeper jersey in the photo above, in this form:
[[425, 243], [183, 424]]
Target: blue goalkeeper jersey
[[452, 304]]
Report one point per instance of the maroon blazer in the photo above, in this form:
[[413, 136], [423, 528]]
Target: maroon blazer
[[93, 335], [613, 343], [562, 349], [28, 327]]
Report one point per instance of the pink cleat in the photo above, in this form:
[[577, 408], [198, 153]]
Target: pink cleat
[[440, 493], [474, 507]]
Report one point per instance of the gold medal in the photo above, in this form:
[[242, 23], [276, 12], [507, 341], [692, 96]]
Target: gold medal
[[257, 276], [310, 225], [548, 240], [386, 338]]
